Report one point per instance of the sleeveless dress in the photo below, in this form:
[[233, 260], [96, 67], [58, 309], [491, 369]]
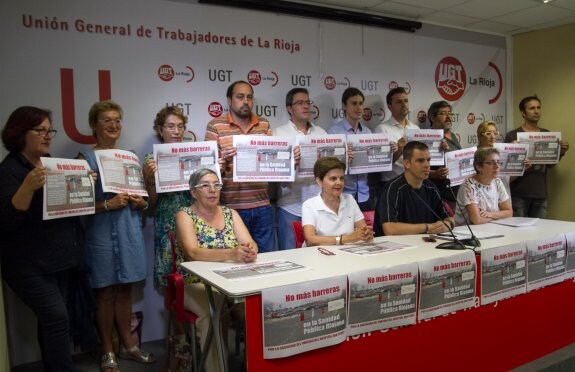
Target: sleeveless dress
[[209, 237], [115, 248]]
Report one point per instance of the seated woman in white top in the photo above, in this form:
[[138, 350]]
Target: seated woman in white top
[[332, 217], [483, 197]]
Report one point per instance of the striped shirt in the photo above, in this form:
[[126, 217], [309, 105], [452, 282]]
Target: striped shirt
[[238, 195]]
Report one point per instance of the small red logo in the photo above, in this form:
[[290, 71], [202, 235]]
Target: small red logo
[[392, 85], [254, 77], [329, 82], [471, 118], [166, 72], [215, 109], [450, 79], [367, 114]]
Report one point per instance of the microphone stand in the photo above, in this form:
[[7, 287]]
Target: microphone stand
[[473, 241], [455, 244]]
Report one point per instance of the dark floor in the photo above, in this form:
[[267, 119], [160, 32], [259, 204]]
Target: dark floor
[[562, 360]]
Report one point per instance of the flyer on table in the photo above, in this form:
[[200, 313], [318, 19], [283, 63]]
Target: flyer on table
[[570, 265], [69, 189], [432, 138], [545, 261], [120, 172], [382, 298], [176, 162], [460, 165], [264, 158], [259, 269], [304, 316], [544, 147], [371, 153], [447, 284], [503, 272], [512, 156], [313, 148]]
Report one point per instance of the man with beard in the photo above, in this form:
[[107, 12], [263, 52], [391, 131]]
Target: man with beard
[[249, 199], [529, 192]]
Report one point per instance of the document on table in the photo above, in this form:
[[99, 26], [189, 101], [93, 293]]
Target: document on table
[[370, 249], [259, 269], [463, 233], [517, 221]]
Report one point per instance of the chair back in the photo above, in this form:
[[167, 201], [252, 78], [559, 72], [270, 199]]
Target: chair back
[[298, 233]]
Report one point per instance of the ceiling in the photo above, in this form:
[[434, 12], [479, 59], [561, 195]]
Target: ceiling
[[504, 17]]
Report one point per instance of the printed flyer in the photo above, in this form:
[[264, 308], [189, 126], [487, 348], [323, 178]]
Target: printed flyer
[[512, 156], [371, 153], [313, 148], [545, 261], [503, 272], [264, 158], [544, 147], [460, 165], [432, 138], [120, 172]]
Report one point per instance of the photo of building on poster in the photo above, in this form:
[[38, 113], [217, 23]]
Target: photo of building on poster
[[545, 261], [303, 317], [313, 148], [503, 272], [382, 298], [446, 284]]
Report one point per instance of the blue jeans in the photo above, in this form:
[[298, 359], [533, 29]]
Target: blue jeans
[[526, 207], [260, 224], [286, 238], [46, 296]]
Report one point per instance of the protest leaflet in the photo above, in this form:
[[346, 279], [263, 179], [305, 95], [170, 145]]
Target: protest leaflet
[[432, 138], [373, 248], [259, 269], [313, 148], [304, 316], [460, 165], [544, 147], [447, 284], [570, 267], [264, 158], [503, 272], [546, 261], [176, 162], [371, 153], [382, 298], [120, 172], [69, 189], [512, 156]]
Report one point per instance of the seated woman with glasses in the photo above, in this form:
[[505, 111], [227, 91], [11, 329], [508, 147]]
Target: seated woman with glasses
[[332, 217], [483, 197], [207, 231]]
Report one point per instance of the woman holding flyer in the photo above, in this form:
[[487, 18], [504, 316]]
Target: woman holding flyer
[[37, 256], [207, 231], [332, 217], [483, 197], [115, 248]]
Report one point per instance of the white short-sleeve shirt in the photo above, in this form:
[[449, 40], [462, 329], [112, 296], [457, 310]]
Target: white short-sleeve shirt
[[327, 222], [487, 197]]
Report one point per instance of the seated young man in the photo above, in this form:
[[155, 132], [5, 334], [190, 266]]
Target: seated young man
[[401, 207]]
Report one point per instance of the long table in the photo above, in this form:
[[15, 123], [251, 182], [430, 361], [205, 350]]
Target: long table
[[497, 336]]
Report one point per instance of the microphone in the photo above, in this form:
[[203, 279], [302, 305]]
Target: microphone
[[473, 241], [455, 244]]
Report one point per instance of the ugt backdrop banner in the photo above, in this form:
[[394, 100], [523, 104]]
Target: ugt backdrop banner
[[64, 55]]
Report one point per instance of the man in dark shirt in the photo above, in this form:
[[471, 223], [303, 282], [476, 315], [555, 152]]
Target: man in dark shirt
[[529, 192], [400, 207]]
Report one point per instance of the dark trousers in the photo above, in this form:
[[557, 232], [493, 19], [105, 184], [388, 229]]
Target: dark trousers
[[45, 295]]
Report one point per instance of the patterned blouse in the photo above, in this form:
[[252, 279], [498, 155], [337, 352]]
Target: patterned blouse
[[209, 237]]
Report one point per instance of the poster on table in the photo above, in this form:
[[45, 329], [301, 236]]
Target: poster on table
[[382, 298], [460, 165], [371, 153], [259, 269], [447, 284], [263, 158], [432, 138], [120, 172], [69, 189], [544, 147], [313, 148], [570, 260], [304, 316], [512, 156], [545, 261], [176, 162], [503, 272]]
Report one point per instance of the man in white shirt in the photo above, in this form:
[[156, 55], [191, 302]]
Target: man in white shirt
[[291, 195], [398, 104]]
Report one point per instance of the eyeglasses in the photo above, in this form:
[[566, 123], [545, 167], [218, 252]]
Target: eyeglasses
[[209, 186], [41, 132], [174, 128], [493, 162], [109, 121], [490, 134], [302, 102]]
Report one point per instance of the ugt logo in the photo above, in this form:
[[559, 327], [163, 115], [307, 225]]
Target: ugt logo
[[68, 111], [450, 79]]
